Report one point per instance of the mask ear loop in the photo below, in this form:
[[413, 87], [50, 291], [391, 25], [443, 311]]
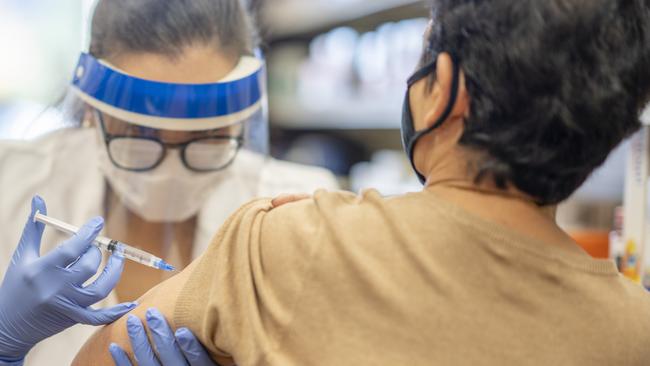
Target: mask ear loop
[[100, 126], [423, 72], [419, 75]]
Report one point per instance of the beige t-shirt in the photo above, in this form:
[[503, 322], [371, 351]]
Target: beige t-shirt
[[412, 280]]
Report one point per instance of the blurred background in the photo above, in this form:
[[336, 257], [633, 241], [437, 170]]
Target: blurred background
[[337, 71]]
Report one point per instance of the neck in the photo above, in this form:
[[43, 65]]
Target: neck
[[508, 207], [458, 169], [173, 239]]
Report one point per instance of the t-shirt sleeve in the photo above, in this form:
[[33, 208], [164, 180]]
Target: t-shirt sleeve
[[242, 291]]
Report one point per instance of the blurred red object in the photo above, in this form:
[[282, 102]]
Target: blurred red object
[[594, 242]]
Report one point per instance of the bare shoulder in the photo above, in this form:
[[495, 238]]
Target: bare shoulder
[[163, 297]]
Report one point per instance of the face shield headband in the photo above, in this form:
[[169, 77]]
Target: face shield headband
[[171, 106]]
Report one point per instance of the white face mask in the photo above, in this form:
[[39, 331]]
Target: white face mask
[[168, 193]]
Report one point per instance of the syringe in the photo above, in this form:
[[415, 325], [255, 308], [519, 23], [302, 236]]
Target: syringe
[[110, 245]]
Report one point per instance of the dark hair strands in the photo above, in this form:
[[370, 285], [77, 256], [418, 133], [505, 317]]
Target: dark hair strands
[[555, 85], [165, 27], [168, 27]]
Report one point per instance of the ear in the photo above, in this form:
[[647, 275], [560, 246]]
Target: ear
[[443, 89]]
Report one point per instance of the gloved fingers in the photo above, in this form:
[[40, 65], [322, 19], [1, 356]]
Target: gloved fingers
[[76, 246], [104, 284], [90, 316], [29, 246], [193, 350], [87, 266], [289, 198], [140, 343], [119, 356], [163, 338]]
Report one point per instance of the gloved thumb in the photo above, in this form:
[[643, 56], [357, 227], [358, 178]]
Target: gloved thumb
[[73, 248], [30, 242], [94, 317]]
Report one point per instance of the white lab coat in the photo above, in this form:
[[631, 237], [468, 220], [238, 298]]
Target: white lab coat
[[62, 168]]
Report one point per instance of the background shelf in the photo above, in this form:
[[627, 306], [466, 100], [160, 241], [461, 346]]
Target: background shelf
[[337, 114], [297, 18]]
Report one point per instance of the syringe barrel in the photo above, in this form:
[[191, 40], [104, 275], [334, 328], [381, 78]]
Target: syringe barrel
[[108, 244], [100, 241], [62, 226], [135, 253]]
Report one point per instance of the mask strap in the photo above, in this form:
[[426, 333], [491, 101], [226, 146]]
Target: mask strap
[[450, 106], [419, 75], [102, 128], [453, 95], [425, 71]]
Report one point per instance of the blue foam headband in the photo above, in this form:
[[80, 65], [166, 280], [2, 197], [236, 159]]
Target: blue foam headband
[[149, 98]]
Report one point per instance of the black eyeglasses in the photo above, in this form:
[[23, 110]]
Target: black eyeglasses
[[144, 153]]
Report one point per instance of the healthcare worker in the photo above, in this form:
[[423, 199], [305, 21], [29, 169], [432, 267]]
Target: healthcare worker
[[171, 138], [53, 298]]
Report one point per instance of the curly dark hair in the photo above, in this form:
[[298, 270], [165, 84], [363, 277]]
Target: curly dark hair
[[555, 85]]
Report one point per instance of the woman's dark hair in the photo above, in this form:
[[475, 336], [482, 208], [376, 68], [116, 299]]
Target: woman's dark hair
[[168, 26], [164, 27], [555, 85]]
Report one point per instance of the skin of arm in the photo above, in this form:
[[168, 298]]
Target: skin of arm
[[163, 297]]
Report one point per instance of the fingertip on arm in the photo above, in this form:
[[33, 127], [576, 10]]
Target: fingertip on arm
[[288, 198], [163, 297]]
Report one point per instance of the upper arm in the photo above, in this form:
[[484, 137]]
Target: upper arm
[[163, 297], [238, 297]]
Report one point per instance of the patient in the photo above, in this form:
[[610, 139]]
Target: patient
[[514, 105]]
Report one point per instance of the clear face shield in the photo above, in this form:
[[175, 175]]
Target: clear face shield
[[165, 148]]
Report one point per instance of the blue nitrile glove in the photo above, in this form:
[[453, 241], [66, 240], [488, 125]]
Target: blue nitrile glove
[[179, 349], [42, 296]]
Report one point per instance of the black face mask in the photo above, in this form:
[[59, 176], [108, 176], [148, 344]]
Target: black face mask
[[409, 136]]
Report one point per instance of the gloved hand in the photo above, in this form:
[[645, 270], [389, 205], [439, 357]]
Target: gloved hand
[[42, 296], [179, 349]]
